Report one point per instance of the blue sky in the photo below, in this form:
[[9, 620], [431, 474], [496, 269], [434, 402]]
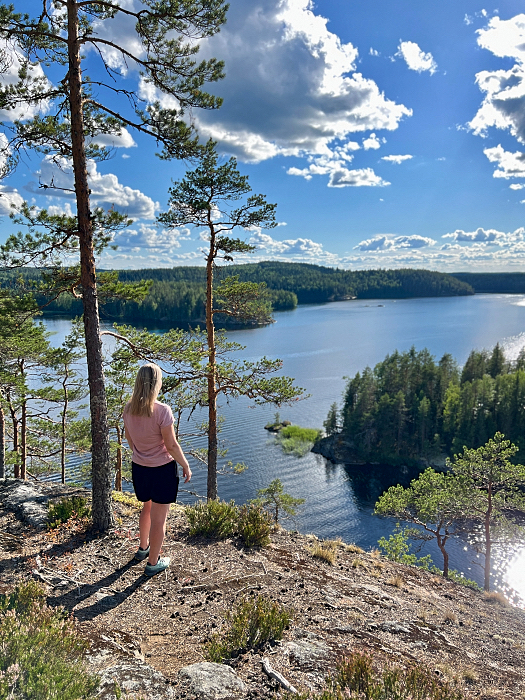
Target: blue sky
[[388, 135]]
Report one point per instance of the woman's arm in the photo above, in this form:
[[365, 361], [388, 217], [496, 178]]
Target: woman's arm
[[173, 447], [128, 438]]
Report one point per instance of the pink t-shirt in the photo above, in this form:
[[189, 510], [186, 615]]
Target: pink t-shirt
[[144, 431]]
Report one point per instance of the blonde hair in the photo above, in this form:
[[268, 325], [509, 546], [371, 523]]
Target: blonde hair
[[146, 390]]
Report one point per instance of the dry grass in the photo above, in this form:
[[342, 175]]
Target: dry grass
[[496, 598], [375, 553], [470, 676], [326, 551], [450, 616], [358, 563], [353, 549], [397, 581]]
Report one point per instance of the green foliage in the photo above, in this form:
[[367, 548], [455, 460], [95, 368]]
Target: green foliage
[[432, 501], [41, 653], [178, 294], [66, 508], [255, 525], [296, 440], [250, 625], [276, 501], [213, 519], [410, 407], [331, 423], [491, 489], [397, 547], [357, 679]]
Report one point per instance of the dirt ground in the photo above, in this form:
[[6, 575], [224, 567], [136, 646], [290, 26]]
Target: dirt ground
[[363, 601]]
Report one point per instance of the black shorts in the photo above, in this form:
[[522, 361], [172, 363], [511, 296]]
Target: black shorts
[[157, 484]]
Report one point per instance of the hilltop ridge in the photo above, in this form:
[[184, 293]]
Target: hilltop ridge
[[400, 614]]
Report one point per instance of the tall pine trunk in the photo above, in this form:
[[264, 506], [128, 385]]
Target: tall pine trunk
[[212, 371], [2, 442], [101, 468]]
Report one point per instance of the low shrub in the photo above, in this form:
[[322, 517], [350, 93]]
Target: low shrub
[[65, 509], [255, 525], [357, 679], [41, 655], [213, 519], [253, 623]]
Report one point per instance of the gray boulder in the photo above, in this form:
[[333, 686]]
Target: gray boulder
[[209, 681]]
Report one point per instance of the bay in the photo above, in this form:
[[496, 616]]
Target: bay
[[319, 346]]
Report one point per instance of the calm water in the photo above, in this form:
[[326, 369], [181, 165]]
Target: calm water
[[320, 345]]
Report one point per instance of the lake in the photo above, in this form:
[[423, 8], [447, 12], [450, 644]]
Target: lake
[[320, 345]]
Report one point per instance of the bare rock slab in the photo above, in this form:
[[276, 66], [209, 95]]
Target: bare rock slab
[[209, 681], [27, 502]]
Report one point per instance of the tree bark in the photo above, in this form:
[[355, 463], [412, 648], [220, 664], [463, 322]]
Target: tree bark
[[488, 541], [23, 441], [441, 544], [118, 474], [14, 420], [212, 371], [101, 468], [64, 428], [2, 443]]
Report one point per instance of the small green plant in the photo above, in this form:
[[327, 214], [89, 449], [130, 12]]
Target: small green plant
[[126, 499], [65, 509], [249, 626], [41, 655], [213, 519], [296, 440], [254, 525], [276, 501], [357, 679]]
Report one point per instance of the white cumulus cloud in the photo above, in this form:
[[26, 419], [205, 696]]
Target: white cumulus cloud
[[508, 164], [503, 105], [389, 242], [415, 58], [396, 159], [106, 190], [291, 85]]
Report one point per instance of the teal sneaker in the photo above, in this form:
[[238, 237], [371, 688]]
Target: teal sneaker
[[161, 565], [141, 554]]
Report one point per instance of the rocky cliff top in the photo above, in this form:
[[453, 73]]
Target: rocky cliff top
[[149, 633]]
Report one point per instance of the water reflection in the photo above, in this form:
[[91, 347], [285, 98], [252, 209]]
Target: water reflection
[[320, 346]]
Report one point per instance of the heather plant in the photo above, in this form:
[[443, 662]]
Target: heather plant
[[254, 525], [65, 509], [251, 624], [357, 679], [41, 655], [213, 519]]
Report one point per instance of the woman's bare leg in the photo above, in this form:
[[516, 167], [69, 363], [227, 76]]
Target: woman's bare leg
[[145, 525], [158, 515]]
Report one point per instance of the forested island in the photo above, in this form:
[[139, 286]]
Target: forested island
[[412, 409], [177, 295]]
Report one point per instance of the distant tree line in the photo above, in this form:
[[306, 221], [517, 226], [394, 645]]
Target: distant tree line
[[177, 295], [410, 407], [494, 282]]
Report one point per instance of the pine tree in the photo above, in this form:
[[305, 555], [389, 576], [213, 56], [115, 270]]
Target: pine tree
[[206, 198], [84, 108]]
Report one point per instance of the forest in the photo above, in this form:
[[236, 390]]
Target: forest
[[411, 407], [493, 282], [177, 295]]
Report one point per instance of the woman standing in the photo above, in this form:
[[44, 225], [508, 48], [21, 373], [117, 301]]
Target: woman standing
[[149, 431]]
